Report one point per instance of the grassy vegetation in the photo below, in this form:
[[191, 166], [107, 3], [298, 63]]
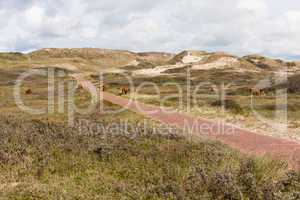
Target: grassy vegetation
[[41, 157], [238, 90], [46, 160], [239, 104]]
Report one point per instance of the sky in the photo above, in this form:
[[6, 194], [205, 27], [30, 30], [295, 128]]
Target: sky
[[268, 27]]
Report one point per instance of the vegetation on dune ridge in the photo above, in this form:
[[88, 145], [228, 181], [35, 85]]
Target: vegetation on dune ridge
[[270, 63], [13, 57], [85, 59], [120, 58], [87, 53]]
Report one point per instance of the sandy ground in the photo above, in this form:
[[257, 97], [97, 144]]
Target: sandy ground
[[157, 71], [249, 123], [220, 63], [192, 59], [133, 63]]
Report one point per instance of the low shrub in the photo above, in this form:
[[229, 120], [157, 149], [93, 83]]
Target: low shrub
[[230, 105], [45, 160]]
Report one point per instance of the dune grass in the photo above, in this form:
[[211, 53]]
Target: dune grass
[[45, 160]]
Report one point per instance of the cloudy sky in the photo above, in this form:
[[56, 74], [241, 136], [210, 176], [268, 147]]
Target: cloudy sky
[[270, 27]]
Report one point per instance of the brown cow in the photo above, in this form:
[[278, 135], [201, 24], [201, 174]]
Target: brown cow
[[257, 92], [28, 92], [103, 88], [125, 90]]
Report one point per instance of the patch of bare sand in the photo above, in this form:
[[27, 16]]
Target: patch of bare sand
[[192, 59], [157, 71], [217, 64], [133, 63], [246, 122]]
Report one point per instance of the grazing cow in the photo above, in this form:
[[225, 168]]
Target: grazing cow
[[28, 92], [125, 90], [257, 92], [80, 87], [103, 88]]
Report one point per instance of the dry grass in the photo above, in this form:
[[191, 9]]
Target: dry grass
[[46, 160], [43, 158], [238, 92]]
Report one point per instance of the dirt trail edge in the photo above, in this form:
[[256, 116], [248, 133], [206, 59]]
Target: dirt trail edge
[[243, 140]]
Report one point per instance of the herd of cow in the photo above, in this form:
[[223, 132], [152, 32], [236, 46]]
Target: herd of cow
[[125, 90], [257, 92]]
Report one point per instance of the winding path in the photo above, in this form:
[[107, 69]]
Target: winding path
[[243, 140]]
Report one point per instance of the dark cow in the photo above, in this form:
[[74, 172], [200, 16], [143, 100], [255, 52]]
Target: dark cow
[[80, 87], [125, 90], [28, 92], [103, 88]]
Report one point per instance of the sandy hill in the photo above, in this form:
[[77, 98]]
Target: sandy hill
[[216, 60], [270, 63], [82, 59], [155, 56], [101, 58], [94, 59], [188, 56], [222, 61], [201, 60], [86, 53]]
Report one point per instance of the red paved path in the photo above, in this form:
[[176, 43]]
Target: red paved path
[[245, 141]]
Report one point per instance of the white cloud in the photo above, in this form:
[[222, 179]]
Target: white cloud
[[34, 15], [257, 6], [238, 26]]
